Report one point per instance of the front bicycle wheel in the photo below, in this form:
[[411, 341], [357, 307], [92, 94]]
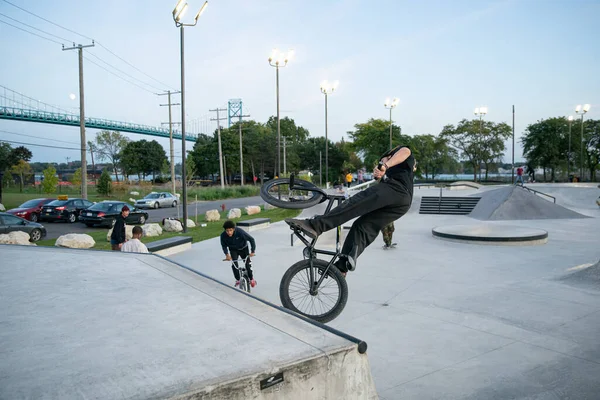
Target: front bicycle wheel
[[322, 304], [277, 192], [244, 286]]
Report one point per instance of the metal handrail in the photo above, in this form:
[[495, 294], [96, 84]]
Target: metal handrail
[[537, 191]]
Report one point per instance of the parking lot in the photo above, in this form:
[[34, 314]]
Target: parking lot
[[56, 229]]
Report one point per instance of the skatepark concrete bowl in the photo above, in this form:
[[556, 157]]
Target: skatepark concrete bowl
[[491, 233]]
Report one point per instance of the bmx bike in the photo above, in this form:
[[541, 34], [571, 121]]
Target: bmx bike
[[313, 287], [244, 278]]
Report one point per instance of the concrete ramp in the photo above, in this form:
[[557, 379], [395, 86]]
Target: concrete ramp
[[106, 325], [516, 203]]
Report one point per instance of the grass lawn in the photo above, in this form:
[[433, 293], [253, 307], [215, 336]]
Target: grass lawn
[[198, 234]]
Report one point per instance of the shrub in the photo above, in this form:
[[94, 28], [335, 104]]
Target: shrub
[[50, 180], [104, 184]]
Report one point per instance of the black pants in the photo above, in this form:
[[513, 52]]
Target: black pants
[[242, 253], [348, 184], [376, 207]]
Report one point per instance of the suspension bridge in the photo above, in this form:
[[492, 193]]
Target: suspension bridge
[[19, 107]]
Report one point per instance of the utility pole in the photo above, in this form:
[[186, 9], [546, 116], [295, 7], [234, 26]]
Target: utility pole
[[284, 163], [172, 151], [82, 118], [241, 154], [218, 119]]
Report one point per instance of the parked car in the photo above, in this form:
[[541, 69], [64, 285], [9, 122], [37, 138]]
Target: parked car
[[155, 200], [11, 223], [30, 210], [64, 210], [105, 213]]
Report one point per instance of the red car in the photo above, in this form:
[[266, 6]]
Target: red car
[[30, 210]]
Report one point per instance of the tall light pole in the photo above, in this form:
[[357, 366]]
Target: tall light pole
[[178, 13], [279, 60], [326, 89], [480, 112], [582, 111], [570, 119], [391, 105]]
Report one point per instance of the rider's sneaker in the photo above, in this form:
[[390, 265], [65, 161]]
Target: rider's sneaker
[[304, 226], [237, 283], [352, 260], [252, 283]]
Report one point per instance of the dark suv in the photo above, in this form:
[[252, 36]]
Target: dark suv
[[64, 210]]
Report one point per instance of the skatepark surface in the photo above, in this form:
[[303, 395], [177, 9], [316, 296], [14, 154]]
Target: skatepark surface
[[448, 320], [79, 324]]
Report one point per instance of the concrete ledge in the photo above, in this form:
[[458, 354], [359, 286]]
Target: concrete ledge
[[254, 224], [491, 234], [173, 245]]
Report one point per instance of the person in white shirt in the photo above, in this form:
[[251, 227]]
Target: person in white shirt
[[135, 245]]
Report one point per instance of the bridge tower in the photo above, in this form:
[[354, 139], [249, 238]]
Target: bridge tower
[[234, 110]]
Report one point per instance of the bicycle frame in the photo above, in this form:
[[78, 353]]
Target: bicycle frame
[[242, 269], [310, 246]]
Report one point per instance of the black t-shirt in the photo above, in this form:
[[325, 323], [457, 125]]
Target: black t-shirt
[[403, 172]]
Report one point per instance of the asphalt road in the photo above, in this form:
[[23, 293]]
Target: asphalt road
[[56, 229]]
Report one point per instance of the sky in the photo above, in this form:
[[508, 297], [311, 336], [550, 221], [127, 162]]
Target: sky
[[441, 58]]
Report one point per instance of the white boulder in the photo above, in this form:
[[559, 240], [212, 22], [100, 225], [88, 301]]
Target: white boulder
[[75, 241], [128, 233], [132, 200], [2, 208], [190, 223], [269, 206], [234, 213], [212, 215], [172, 225], [15, 238], [151, 230], [251, 210], [134, 193]]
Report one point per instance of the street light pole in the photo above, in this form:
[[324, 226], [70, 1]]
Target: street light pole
[[480, 111], [582, 110], [178, 13], [277, 60], [391, 105], [326, 89], [570, 119]]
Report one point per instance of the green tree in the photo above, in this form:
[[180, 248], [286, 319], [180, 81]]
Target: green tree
[[20, 153], [76, 178], [23, 169], [104, 186], [477, 141], [433, 155], [109, 145], [50, 181], [5, 158], [591, 145], [545, 144], [372, 139]]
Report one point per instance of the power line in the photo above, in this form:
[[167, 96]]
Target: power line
[[131, 65], [44, 19], [120, 77], [35, 34], [123, 72], [42, 145], [89, 38], [33, 27], [36, 137]]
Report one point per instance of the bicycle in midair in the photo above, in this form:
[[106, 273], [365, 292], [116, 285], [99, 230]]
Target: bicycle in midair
[[313, 287]]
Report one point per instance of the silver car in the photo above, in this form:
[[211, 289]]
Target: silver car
[[156, 200]]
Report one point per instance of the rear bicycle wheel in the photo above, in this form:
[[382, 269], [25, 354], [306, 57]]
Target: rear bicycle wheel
[[323, 304], [277, 193]]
